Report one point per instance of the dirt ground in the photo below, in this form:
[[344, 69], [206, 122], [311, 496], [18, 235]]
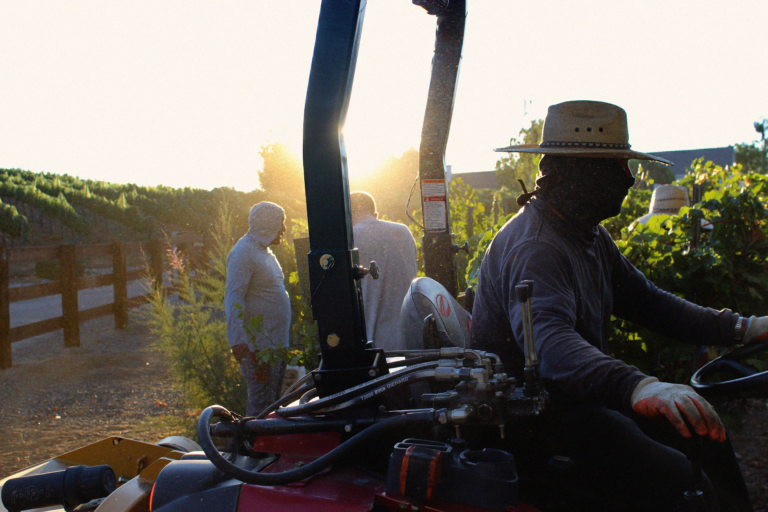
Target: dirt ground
[[54, 400]]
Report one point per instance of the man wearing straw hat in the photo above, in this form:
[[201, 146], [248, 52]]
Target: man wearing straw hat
[[608, 419], [667, 200]]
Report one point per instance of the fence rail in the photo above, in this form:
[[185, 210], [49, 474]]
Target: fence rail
[[69, 285]]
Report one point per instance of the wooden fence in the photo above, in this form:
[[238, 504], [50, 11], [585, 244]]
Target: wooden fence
[[68, 287]]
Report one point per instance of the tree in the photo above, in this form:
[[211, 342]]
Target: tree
[[282, 179], [283, 173], [752, 156], [645, 170], [390, 184], [521, 166]]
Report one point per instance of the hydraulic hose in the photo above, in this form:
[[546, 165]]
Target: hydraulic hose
[[422, 418], [301, 425], [309, 395], [444, 353], [359, 399], [287, 398], [409, 362], [299, 382], [345, 395]]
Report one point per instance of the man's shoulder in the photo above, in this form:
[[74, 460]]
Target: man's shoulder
[[384, 226], [526, 236], [246, 249]]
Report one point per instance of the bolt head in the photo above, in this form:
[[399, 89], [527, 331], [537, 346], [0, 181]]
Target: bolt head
[[372, 372], [347, 428], [333, 340]]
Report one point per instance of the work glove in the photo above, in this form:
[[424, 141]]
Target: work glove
[[678, 403], [757, 330]]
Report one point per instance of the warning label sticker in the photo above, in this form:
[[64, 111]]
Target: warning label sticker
[[433, 195], [434, 213], [432, 188]]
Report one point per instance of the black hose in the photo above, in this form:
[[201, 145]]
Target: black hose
[[347, 394], [309, 395], [299, 382], [409, 362], [359, 399], [286, 399], [314, 467], [445, 353], [278, 426]]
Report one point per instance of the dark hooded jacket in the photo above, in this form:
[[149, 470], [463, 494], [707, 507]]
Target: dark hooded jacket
[[580, 280]]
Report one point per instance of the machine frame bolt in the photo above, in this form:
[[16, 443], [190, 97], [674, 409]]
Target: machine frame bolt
[[333, 340]]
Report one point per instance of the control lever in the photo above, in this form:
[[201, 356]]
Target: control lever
[[524, 293], [463, 247], [360, 272]]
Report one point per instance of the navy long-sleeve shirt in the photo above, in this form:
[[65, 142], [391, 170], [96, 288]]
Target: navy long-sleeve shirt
[[580, 280]]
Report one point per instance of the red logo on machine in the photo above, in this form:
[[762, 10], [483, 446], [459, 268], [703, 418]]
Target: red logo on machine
[[443, 305]]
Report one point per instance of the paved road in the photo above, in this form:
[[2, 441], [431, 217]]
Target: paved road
[[35, 310]]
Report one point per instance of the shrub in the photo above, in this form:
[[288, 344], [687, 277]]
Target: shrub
[[192, 330], [726, 270]]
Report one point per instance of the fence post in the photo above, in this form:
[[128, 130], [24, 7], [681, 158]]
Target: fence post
[[120, 286], [69, 305], [156, 264], [5, 312]]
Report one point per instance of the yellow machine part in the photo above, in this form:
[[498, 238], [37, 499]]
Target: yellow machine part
[[136, 465]]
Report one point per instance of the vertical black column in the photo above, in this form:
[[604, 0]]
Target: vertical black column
[[336, 297], [439, 251]]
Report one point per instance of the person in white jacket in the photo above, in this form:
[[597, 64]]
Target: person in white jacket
[[391, 246], [255, 282]]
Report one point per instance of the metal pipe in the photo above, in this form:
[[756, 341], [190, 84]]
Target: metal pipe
[[529, 322], [522, 296]]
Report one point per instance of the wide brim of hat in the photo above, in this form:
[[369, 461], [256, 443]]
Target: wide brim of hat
[[584, 152]]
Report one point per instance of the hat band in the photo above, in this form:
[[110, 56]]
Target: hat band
[[607, 145]]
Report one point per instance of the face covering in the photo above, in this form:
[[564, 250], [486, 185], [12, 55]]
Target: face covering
[[588, 190]]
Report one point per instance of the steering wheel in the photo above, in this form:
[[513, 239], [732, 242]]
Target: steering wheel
[[745, 378]]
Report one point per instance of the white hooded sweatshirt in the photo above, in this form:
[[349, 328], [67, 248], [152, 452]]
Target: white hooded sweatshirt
[[256, 282]]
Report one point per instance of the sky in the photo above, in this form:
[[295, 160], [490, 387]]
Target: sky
[[185, 92]]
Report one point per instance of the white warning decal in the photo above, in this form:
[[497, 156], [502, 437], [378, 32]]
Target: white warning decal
[[433, 195]]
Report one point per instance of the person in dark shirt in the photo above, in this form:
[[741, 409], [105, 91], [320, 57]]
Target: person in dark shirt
[[604, 416]]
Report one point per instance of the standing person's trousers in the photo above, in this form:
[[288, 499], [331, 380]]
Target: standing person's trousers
[[264, 384]]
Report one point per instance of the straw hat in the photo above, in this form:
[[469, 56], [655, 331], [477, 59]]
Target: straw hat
[[585, 129], [666, 199]]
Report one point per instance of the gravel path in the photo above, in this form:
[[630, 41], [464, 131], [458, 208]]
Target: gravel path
[[54, 399]]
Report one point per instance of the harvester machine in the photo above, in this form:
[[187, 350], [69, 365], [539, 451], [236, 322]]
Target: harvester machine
[[368, 430]]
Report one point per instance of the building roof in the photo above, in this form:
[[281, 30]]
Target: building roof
[[683, 159], [477, 180]]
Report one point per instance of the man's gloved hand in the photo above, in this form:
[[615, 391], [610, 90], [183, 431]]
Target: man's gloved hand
[[654, 399], [757, 330]]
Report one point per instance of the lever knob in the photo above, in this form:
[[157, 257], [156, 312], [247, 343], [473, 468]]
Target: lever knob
[[463, 247], [373, 269]]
